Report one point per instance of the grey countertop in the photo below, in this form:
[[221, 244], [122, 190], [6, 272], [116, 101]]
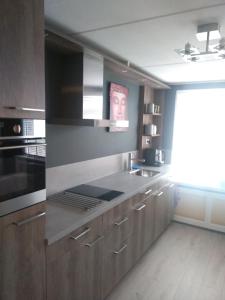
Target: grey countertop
[[62, 220]]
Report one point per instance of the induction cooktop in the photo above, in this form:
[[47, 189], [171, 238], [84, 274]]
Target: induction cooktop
[[95, 192]]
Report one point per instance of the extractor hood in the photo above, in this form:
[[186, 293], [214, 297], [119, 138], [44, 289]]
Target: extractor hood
[[74, 82]]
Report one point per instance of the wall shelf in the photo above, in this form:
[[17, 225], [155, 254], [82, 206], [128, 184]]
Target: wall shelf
[[155, 114], [151, 135], [149, 95]]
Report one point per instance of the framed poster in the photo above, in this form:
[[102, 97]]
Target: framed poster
[[118, 97]]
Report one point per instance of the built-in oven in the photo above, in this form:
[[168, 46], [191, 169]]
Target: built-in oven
[[22, 163]]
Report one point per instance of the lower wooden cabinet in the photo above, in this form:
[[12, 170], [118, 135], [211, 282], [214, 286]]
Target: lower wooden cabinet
[[74, 265], [118, 260], [163, 209], [22, 254], [143, 219], [88, 263]]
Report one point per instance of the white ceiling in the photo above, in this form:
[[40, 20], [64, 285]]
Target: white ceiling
[[144, 32]]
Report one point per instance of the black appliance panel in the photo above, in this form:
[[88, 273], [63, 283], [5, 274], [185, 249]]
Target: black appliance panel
[[95, 192]]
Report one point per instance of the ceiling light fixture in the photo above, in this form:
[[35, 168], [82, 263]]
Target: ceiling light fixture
[[205, 33]]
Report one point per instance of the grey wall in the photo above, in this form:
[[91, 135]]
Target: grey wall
[[69, 144], [170, 109]]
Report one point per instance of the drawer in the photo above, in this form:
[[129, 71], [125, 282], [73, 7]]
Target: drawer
[[116, 263], [85, 234]]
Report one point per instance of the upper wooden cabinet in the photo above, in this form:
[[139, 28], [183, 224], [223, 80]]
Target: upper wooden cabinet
[[22, 254], [22, 59]]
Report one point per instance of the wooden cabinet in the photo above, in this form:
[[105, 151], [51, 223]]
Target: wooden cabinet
[[162, 210], [22, 254], [143, 224], [74, 264], [118, 259], [170, 199], [22, 58], [84, 265]]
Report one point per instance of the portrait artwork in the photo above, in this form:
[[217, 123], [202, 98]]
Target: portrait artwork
[[118, 97]]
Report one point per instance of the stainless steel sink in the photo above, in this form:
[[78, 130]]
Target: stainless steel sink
[[144, 173]]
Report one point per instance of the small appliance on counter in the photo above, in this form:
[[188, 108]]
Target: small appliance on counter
[[154, 157]]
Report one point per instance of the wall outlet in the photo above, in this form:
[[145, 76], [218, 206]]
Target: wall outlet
[[147, 141]]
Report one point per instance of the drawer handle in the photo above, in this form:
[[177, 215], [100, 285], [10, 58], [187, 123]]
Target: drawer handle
[[141, 207], [120, 250], [148, 192], [121, 222], [29, 219], [90, 245], [86, 230], [160, 194], [24, 108]]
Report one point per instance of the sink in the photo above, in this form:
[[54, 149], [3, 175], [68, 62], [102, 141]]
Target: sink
[[144, 172]]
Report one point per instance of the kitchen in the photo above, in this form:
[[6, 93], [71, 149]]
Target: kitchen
[[109, 230]]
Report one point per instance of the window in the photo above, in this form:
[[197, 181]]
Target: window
[[198, 155]]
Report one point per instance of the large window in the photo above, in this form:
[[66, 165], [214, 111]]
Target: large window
[[198, 155]]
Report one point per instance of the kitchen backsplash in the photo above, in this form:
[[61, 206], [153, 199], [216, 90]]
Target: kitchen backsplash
[[66, 176]]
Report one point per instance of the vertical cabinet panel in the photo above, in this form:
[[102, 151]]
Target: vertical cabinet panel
[[22, 254], [164, 208], [22, 57], [117, 262], [74, 265], [143, 218]]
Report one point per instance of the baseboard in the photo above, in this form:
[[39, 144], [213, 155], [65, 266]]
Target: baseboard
[[198, 223]]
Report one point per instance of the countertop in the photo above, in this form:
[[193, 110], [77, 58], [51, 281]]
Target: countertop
[[62, 220]]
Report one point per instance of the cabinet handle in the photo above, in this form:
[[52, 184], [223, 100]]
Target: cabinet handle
[[24, 108], [148, 192], [120, 250], [86, 230], [90, 245], [141, 207], [29, 219], [22, 146], [160, 194], [121, 222]]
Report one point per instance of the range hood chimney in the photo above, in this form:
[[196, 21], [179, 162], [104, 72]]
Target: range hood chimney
[[74, 82]]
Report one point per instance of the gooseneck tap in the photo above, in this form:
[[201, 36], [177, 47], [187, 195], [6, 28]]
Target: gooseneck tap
[[132, 159]]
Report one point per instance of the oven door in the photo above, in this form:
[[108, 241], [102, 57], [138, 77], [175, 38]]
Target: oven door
[[22, 175]]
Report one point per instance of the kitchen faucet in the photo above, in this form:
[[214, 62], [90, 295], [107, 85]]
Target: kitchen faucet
[[132, 159]]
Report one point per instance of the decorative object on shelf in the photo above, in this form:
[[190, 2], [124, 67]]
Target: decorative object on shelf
[[157, 109], [118, 97], [205, 33], [150, 129], [149, 108]]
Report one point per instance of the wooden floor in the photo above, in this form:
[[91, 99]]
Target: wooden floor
[[186, 263]]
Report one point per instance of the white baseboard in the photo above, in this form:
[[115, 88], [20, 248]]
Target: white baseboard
[[198, 223]]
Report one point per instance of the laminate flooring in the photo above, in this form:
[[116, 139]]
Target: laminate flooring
[[185, 263]]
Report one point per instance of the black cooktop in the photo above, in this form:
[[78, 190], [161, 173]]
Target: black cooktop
[[95, 192]]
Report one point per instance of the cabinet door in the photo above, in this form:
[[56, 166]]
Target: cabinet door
[[117, 262], [22, 58], [22, 252], [170, 199], [74, 264], [161, 211], [143, 218]]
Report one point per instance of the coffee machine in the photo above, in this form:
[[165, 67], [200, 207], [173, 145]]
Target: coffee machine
[[154, 157]]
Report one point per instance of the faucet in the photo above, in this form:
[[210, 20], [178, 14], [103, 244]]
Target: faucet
[[131, 159]]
